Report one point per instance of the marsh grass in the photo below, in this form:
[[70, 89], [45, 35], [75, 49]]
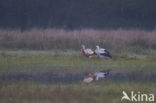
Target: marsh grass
[[38, 62], [58, 50], [43, 39], [72, 61], [97, 92]]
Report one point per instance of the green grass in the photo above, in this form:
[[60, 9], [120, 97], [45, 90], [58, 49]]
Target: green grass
[[58, 61]]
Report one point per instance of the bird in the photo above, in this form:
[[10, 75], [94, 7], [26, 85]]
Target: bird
[[101, 52], [87, 52], [89, 78]]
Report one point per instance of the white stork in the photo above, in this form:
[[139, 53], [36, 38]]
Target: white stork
[[102, 52], [87, 52]]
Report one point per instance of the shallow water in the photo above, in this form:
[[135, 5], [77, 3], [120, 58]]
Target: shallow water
[[72, 77]]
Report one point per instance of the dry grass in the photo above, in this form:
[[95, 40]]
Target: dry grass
[[63, 39], [102, 92]]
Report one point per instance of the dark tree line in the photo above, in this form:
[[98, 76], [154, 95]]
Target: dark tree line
[[71, 14]]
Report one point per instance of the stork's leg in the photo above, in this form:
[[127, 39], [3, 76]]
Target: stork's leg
[[90, 61], [102, 58]]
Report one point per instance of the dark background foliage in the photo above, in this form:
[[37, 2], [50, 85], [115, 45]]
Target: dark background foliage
[[78, 14]]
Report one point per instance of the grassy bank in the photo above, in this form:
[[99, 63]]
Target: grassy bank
[[58, 61]]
